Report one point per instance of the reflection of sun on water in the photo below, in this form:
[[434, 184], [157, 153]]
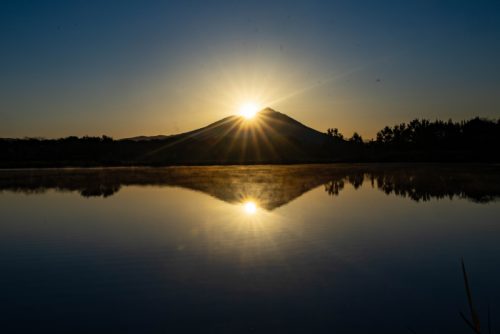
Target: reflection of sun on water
[[250, 207], [246, 229]]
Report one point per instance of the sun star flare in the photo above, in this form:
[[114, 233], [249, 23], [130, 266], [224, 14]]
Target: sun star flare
[[249, 109], [250, 207]]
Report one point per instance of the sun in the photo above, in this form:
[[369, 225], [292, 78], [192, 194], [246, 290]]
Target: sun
[[249, 110]]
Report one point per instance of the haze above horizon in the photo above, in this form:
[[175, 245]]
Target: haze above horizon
[[146, 68]]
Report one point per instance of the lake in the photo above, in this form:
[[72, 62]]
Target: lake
[[347, 248]]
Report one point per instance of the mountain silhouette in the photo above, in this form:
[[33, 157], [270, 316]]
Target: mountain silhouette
[[268, 137]]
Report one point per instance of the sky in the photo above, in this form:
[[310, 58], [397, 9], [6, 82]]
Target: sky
[[128, 68]]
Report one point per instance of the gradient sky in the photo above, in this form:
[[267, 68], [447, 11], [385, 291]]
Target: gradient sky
[[127, 68]]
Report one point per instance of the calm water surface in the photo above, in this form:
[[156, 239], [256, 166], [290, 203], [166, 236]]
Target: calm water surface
[[305, 249]]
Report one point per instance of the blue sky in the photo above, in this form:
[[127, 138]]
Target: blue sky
[[126, 68]]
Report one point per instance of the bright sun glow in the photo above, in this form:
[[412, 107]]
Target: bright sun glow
[[249, 110], [250, 207]]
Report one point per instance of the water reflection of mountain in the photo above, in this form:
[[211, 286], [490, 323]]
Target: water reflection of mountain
[[271, 186]]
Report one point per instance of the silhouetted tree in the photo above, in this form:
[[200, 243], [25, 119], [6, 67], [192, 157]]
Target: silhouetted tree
[[334, 133], [356, 138]]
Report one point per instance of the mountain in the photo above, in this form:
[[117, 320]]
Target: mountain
[[269, 137]]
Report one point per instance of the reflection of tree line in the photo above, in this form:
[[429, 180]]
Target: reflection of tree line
[[85, 190], [273, 186], [334, 187], [424, 184], [354, 178]]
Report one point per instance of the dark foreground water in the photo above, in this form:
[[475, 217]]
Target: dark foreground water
[[317, 249]]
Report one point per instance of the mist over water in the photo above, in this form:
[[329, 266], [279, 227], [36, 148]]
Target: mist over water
[[252, 249]]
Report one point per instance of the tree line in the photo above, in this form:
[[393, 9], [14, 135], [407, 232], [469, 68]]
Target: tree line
[[423, 133], [476, 139]]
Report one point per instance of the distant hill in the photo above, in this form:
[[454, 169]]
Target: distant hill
[[141, 138], [268, 137]]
